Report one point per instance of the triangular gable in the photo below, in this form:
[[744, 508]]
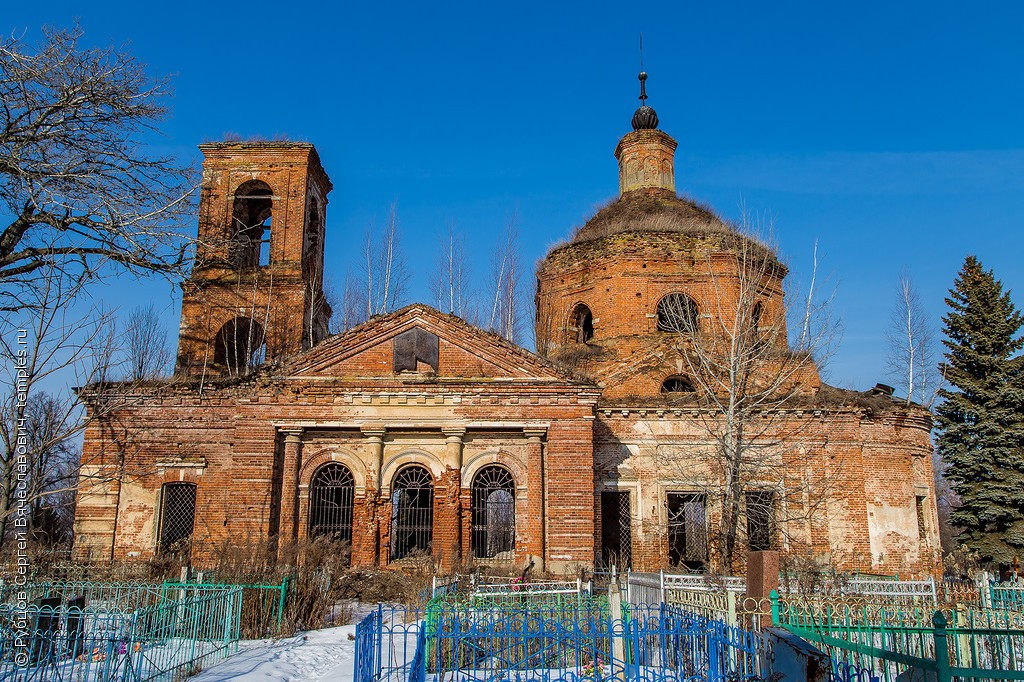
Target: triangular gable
[[464, 351]]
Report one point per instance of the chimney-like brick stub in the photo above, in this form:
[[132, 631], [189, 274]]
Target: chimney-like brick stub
[[646, 161]]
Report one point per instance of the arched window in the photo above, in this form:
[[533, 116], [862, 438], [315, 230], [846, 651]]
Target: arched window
[[581, 324], [250, 225], [240, 346], [412, 512], [177, 516], [494, 512], [678, 313], [678, 384], [755, 316], [331, 492]]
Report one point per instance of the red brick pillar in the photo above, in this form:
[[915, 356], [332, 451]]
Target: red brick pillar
[[290, 485], [369, 551], [762, 578], [536, 500], [448, 516]]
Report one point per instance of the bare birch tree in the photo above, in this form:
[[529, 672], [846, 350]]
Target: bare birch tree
[[386, 274], [47, 343], [744, 371], [505, 286], [347, 306], [449, 283], [74, 175], [149, 355], [911, 360]]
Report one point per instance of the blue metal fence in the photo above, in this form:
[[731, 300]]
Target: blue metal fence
[[466, 644]]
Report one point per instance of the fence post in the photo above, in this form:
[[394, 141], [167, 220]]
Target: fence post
[[941, 648], [774, 597], [281, 600], [730, 600], [661, 588], [963, 641]]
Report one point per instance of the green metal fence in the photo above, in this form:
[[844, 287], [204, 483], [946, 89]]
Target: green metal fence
[[887, 639], [89, 632]]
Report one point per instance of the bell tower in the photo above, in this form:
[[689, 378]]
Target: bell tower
[[256, 291]]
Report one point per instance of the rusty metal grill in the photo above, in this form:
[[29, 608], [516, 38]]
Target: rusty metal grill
[[616, 529], [494, 512], [331, 494], [412, 512], [687, 530], [177, 516]]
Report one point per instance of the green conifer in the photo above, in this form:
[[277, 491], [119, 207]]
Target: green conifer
[[981, 416]]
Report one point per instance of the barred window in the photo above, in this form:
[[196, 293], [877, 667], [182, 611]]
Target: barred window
[[177, 516], [616, 529], [412, 512], [687, 530], [494, 512], [331, 494], [678, 313], [760, 519]]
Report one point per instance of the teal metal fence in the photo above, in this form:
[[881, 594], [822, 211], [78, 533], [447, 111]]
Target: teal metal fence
[[886, 639], [91, 632]]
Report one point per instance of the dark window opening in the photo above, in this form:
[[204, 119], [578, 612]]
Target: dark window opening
[[331, 495], [251, 218], [412, 512], [678, 313], [687, 530], [760, 520], [240, 346], [678, 384], [755, 316], [616, 529], [177, 516], [581, 324], [494, 512]]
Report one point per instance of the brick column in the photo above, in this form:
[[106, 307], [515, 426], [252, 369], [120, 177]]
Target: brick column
[[536, 500], [448, 505], [290, 484], [366, 550]]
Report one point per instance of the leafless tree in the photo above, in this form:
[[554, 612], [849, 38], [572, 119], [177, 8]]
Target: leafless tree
[[47, 343], [149, 356], [384, 268], [744, 373], [912, 353], [74, 175], [449, 283], [505, 286], [347, 306]]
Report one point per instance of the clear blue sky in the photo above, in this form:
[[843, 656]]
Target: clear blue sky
[[891, 132]]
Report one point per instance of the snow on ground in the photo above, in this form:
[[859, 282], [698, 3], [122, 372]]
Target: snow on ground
[[319, 655]]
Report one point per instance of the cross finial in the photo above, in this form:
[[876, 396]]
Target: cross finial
[[643, 74]]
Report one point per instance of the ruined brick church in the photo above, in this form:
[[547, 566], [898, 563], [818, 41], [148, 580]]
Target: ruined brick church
[[417, 434]]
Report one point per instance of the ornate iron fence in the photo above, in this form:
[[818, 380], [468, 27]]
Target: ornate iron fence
[[89, 632], [547, 644], [886, 638]]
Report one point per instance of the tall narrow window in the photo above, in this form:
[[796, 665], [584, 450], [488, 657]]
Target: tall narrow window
[[251, 216], [678, 313], [177, 516], [581, 324], [687, 530], [494, 512], [616, 529], [922, 528], [240, 346], [331, 493], [412, 512], [760, 519]]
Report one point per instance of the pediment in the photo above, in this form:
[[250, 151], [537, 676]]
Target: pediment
[[419, 341]]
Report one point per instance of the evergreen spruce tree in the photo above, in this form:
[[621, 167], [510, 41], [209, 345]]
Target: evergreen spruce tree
[[981, 416]]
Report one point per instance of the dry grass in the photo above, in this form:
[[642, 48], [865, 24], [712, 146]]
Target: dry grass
[[643, 212]]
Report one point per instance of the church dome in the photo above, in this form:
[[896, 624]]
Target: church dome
[[641, 211]]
